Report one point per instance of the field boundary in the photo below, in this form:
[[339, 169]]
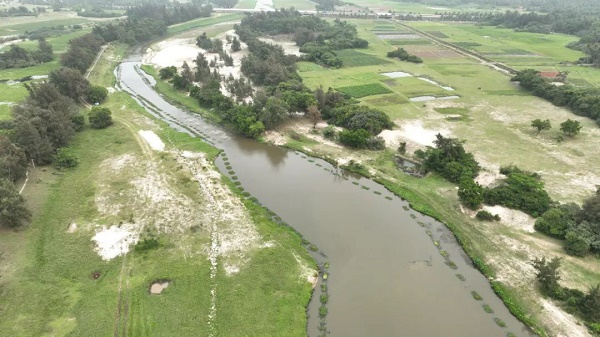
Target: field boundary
[[503, 68]]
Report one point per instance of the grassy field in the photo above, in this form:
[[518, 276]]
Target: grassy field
[[246, 4], [491, 114], [202, 22], [59, 43], [408, 7], [7, 28]]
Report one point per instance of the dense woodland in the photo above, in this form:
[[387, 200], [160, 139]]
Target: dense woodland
[[21, 11]]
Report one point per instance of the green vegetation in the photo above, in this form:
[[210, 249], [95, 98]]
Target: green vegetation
[[484, 215], [476, 296], [13, 211], [353, 58], [100, 118], [363, 90], [403, 55]]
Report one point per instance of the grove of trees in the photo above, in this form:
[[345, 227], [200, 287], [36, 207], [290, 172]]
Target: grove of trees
[[18, 57]]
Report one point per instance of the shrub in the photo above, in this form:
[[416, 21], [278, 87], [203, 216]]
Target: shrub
[[576, 245], [554, 222], [78, 122], [100, 118], [484, 215], [375, 143], [97, 94], [329, 132], [147, 244], [355, 138], [65, 159], [470, 193], [12, 208]]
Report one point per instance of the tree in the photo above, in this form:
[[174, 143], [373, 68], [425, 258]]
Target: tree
[[570, 127], [13, 162], [70, 83], [554, 222], [590, 304], [575, 244], [97, 94], [470, 193], [44, 52], [235, 45], [13, 211], [100, 118], [314, 114], [541, 125], [355, 138], [274, 112], [548, 275], [168, 72]]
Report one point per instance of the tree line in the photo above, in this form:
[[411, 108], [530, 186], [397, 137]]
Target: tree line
[[43, 126], [582, 101], [19, 57]]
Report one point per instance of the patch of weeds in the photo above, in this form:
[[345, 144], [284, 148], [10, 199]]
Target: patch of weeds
[[443, 253], [451, 264], [325, 276], [412, 215], [488, 309], [228, 167], [242, 189], [234, 177], [365, 187], [436, 243], [311, 160], [377, 192], [231, 172], [324, 298], [313, 247], [388, 198], [323, 311], [510, 334], [355, 182], [326, 265], [461, 277], [319, 165], [254, 200], [324, 287], [406, 208], [429, 233], [305, 242], [500, 322], [147, 244], [476, 296], [304, 157], [237, 183], [246, 194]]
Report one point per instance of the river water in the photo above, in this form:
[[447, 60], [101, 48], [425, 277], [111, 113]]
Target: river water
[[387, 277]]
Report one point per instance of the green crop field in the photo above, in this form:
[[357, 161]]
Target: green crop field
[[353, 58], [363, 90], [308, 66], [203, 22]]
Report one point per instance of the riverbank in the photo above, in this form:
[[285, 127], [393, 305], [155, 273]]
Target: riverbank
[[501, 251], [148, 182]]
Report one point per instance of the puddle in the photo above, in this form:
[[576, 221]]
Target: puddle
[[397, 74], [157, 287], [436, 83], [430, 98]]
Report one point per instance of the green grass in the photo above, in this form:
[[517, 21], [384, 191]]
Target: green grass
[[411, 42], [297, 4], [308, 66], [359, 91], [59, 43], [202, 22], [438, 34], [246, 4], [353, 58], [412, 86], [34, 24], [4, 112]]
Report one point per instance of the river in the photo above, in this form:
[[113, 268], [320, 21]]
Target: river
[[387, 277]]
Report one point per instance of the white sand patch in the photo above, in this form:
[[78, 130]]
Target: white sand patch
[[289, 47], [391, 138], [513, 218], [275, 138], [119, 162], [115, 240], [111, 90], [489, 179], [158, 287], [397, 74], [306, 273], [415, 132], [72, 228], [153, 140], [264, 5], [562, 323], [173, 52]]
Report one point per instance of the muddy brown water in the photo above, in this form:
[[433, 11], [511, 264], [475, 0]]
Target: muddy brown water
[[387, 277]]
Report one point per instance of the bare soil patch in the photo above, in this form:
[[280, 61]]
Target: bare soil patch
[[157, 287]]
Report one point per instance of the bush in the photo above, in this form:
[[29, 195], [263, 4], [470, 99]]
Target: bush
[[97, 94], [147, 244], [576, 245], [375, 143], [329, 132], [12, 208], [554, 222], [522, 191], [65, 159], [484, 215], [78, 122], [355, 138], [100, 118], [470, 193]]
